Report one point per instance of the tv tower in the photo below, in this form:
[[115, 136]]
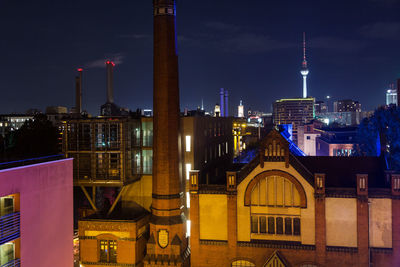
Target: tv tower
[[304, 70]]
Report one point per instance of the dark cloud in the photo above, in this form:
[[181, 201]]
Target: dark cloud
[[221, 26], [385, 2], [336, 44], [231, 38], [134, 36], [382, 30], [249, 43]]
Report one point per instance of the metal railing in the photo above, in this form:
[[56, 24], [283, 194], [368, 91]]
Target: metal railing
[[9, 227], [12, 263]]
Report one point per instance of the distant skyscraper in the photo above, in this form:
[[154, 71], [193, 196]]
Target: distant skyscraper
[[320, 107], [297, 111], [241, 110], [222, 102], [304, 70], [391, 96], [226, 106], [217, 111], [346, 105]]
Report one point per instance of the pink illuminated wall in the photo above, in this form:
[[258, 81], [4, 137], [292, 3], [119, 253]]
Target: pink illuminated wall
[[46, 206]]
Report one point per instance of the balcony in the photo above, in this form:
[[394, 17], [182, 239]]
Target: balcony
[[9, 228], [12, 263]]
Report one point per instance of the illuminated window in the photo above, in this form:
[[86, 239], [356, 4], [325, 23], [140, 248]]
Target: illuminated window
[[6, 254], [242, 263], [6, 205], [188, 228], [396, 184], [188, 167], [275, 191], [188, 142], [108, 251], [362, 183], [187, 200]]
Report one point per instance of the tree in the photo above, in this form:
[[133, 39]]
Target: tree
[[379, 134], [37, 137]]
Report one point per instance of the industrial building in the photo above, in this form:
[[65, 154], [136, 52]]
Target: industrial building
[[36, 212], [307, 135], [115, 154], [336, 141], [286, 210], [280, 209], [12, 122]]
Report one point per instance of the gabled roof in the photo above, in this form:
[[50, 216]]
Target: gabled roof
[[340, 172]]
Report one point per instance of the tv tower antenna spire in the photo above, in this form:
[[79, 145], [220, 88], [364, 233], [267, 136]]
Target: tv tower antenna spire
[[304, 69]]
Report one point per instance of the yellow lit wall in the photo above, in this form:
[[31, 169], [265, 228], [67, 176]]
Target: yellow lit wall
[[119, 234], [139, 192], [341, 222], [380, 231], [213, 217], [307, 214]]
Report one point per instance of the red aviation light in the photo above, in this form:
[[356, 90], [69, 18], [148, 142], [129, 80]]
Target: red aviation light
[[110, 62], [80, 69]]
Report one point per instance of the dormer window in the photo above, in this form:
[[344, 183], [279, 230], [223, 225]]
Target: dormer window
[[362, 183], [396, 183], [231, 181], [320, 184], [193, 179]]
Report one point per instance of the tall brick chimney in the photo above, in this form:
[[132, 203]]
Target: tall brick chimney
[[167, 241], [78, 92], [110, 81]]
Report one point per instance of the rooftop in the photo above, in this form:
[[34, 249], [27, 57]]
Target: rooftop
[[31, 161]]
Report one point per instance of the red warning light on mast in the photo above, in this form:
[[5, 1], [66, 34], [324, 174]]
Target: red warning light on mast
[[110, 62]]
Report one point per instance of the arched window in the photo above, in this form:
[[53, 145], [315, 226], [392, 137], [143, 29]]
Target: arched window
[[242, 263], [275, 191]]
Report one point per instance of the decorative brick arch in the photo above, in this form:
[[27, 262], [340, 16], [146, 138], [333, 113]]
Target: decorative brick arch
[[291, 178], [107, 236]]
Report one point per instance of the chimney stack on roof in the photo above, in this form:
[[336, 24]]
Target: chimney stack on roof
[[110, 80], [78, 92]]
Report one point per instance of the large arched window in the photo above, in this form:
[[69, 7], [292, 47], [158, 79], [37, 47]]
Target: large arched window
[[242, 263], [275, 199], [275, 191]]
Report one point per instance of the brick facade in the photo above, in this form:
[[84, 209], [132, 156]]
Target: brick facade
[[258, 251]]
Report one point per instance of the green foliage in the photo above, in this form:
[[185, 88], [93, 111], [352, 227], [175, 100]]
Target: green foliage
[[381, 133]]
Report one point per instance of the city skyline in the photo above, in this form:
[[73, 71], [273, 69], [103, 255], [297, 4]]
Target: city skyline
[[254, 51]]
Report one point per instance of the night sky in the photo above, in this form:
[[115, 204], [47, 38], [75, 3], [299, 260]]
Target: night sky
[[253, 48]]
